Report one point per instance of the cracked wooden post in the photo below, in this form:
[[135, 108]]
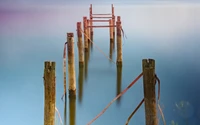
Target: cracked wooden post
[[71, 64], [80, 45], [119, 43], [113, 19], [111, 31], [91, 23], [49, 93], [148, 66]]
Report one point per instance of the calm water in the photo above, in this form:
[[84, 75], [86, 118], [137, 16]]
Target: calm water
[[167, 33]]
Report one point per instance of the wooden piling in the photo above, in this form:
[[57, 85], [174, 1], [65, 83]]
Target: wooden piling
[[71, 64], [80, 45], [49, 93], [111, 31], [85, 33], [91, 23], [88, 30], [111, 51], [118, 19], [119, 43], [148, 66], [113, 19]]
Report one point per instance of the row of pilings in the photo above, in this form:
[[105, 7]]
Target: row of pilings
[[83, 56]]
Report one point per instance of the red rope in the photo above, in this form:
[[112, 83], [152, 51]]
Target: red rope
[[129, 118], [115, 99]]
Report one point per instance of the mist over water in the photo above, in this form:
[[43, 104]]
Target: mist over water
[[167, 33]]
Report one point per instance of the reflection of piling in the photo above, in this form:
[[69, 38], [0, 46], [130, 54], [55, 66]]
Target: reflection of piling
[[49, 92], [149, 91], [119, 81], [80, 83], [119, 42], [72, 110], [65, 111], [86, 64], [80, 44], [85, 33], [71, 64], [111, 31]]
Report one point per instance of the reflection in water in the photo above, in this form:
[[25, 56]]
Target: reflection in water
[[111, 51], [113, 43], [119, 81], [86, 64], [65, 111], [91, 45], [80, 83], [72, 110]]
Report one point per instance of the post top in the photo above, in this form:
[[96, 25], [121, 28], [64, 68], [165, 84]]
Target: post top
[[70, 34], [49, 64], [118, 18], [148, 63], [78, 23]]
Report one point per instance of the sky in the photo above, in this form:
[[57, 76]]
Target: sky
[[89, 1]]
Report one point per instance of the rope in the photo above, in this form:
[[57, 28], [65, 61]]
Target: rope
[[97, 47], [161, 112], [129, 118], [115, 99], [59, 115]]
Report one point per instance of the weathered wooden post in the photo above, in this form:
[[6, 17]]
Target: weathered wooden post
[[118, 18], [71, 64], [111, 31], [49, 93], [113, 19], [91, 23], [119, 43], [80, 45], [89, 42], [85, 33], [148, 66], [111, 51], [88, 30]]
